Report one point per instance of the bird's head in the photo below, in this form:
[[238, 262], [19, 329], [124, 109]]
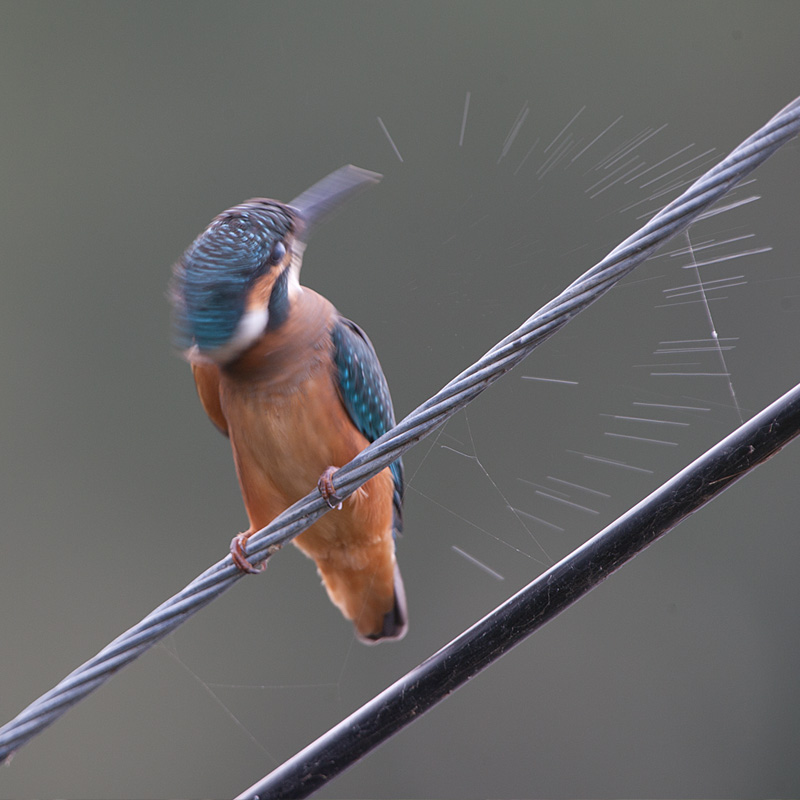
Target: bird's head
[[238, 278]]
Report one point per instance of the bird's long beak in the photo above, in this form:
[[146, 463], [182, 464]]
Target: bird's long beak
[[317, 204]]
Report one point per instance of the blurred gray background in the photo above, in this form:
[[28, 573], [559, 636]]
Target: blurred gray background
[[127, 127]]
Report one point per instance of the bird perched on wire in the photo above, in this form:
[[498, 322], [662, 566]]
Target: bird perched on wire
[[299, 391]]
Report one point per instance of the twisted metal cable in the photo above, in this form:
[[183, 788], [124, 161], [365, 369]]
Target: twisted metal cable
[[674, 218]]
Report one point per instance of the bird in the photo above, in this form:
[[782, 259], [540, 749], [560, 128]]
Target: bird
[[298, 390]]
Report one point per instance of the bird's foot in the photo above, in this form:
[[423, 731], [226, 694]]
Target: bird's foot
[[326, 489], [239, 557]]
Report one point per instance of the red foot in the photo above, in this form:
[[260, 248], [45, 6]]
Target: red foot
[[239, 557], [325, 486]]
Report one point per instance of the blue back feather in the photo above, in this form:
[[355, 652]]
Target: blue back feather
[[365, 393]]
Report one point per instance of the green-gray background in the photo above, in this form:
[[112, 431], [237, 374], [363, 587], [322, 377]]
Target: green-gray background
[[126, 127]]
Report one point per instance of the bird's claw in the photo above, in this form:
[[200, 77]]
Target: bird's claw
[[239, 557], [326, 488]]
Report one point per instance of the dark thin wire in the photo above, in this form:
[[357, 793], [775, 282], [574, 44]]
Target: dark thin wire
[[535, 605], [430, 415]]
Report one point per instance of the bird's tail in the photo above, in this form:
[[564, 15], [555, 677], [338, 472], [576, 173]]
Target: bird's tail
[[395, 621], [367, 589]]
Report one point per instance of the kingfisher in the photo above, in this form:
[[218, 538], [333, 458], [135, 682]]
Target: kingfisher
[[298, 390]]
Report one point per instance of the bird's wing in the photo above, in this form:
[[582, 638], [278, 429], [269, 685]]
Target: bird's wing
[[206, 378], [365, 393]]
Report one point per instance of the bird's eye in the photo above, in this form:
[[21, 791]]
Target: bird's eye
[[277, 254]]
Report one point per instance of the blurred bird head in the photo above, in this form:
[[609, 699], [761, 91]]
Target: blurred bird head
[[238, 278]]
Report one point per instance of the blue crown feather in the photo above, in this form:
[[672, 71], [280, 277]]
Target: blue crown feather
[[214, 275]]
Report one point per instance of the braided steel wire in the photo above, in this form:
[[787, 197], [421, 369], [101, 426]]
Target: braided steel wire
[[592, 285]]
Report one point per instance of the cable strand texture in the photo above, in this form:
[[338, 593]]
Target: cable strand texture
[[588, 288]]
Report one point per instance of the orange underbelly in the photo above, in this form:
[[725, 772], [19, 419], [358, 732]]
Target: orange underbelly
[[283, 442]]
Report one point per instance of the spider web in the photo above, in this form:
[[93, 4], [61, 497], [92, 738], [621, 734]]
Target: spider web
[[594, 419]]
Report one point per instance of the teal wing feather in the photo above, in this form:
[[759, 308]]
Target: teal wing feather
[[365, 393]]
